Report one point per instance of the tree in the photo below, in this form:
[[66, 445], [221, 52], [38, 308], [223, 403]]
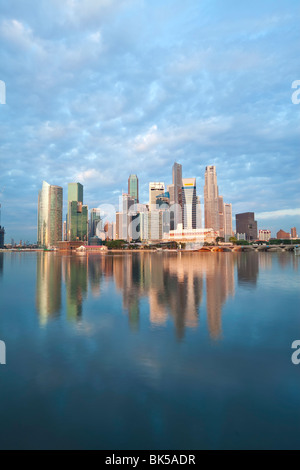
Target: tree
[[233, 239]]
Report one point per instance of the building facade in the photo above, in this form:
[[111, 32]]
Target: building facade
[[50, 205], [77, 218], [281, 234], [95, 222], [264, 235], [155, 189], [246, 223], [294, 232], [211, 198], [189, 203], [133, 188], [228, 221]]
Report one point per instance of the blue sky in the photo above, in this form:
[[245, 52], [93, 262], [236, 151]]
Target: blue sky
[[99, 89]]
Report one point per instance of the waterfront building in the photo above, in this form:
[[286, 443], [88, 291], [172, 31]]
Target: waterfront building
[[198, 214], [155, 189], [50, 203], [228, 221], [77, 219], [133, 188], [281, 234], [264, 235], [177, 184], [95, 222], [221, 210], [189, 203], [294, 232], [211, 198], [192, 235], [246, 223]]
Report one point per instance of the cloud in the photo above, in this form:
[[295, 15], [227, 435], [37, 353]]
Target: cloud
[[99, 90], [278, 214]]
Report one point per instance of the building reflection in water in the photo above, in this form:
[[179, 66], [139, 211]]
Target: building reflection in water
[[75, 269], [175, 285], [1, 263], [48, 286], [247, 266]]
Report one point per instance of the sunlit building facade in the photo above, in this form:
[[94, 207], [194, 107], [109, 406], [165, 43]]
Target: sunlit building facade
[[50, 204]]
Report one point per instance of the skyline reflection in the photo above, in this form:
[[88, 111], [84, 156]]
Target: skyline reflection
[[180, 288], [175, 286]]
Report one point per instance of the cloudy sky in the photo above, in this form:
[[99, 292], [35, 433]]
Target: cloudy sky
[[99, 89]]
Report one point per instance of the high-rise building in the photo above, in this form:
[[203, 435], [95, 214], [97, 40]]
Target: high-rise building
[[177, 183], [95, 220], [2, 232], [198, 214], [221, 210], [50, 202], [189, 203], [133, 188], [227, 221], [211, 198], [246, 224], [293, 232], [264, 235], [155, 189], [77, 219]]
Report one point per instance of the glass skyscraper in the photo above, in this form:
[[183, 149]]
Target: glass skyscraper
[[50, 202], [189, 203], [133, 188], [77, 219]]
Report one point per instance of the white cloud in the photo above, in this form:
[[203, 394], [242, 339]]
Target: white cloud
[[277, 214]]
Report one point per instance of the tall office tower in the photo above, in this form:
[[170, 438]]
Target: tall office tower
[[133, 188], [2, 232], [65, 231], [293, 232], [50, 203], [177, 182], [95, 222], [123, 217], [127, 203], [189, 203], [198, 214], [246, 224], [155, 225], [228, 221], [77, 220], [221, 211], [155, 189], [171, 191], [211, 199]]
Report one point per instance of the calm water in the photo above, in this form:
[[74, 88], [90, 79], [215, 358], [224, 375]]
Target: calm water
[[149, 351]]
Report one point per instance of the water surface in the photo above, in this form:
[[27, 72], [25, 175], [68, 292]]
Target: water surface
[[149, 351]]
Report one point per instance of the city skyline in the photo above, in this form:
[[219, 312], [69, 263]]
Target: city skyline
[[130, 87]]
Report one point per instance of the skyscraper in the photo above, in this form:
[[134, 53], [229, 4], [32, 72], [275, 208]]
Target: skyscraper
[[221, 216], [133, 188], [95, 218], [2, 232], [211, 199], [177, 183], [77, 220], [246, 224], [189, 203], [155, 189], [50, 202], [228, 221]]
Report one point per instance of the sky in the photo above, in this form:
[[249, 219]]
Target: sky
[[99, 89]]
